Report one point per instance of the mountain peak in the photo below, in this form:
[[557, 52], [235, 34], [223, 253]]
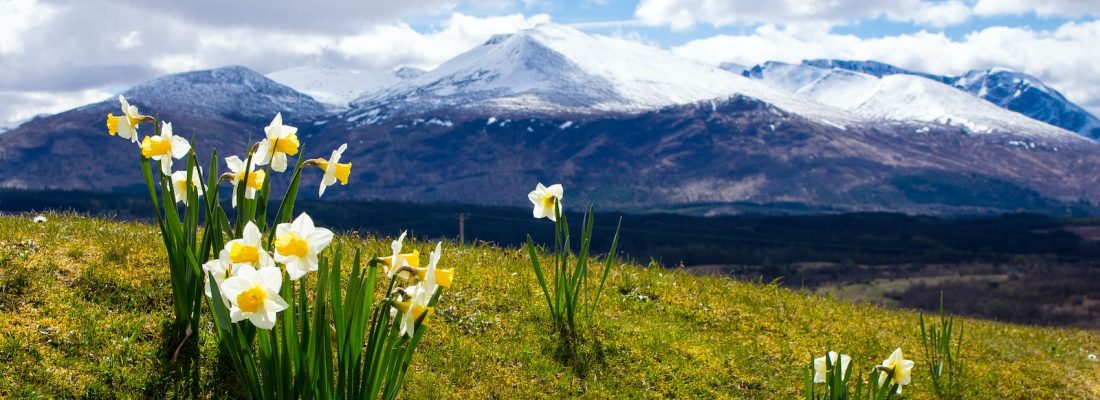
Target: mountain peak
[[233, 89]]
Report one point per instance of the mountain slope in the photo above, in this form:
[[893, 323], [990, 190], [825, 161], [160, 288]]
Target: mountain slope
[[222, 108], [1008, 89], [885, 94]]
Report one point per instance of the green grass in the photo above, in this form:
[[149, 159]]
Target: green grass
[[84, 304]]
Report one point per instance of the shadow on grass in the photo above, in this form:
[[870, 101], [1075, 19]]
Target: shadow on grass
[[580, 353], [183, 377]]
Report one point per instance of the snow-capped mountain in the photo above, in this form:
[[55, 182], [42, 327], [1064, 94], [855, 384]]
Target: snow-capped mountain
[[234, 90], [1012, 90], [1027, 95], [900, 97], [625, 124], [554, 68], [337, 87]]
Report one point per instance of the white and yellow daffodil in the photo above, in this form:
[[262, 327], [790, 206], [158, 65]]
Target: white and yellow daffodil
[[431, 275], [413, 308], [547, 200], [179, 184], [254, 295], [248, 250], [334, 170], [898, 368], [821, 369], [297, 245], [165, 147], [221, 269], [394, 263], [281, 141], [125, 125], [254, 179]]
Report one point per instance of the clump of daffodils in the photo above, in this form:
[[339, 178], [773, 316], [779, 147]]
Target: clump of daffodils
[[833, 372], [253, 272]]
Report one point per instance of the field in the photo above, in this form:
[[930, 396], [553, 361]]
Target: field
[[84, 302]]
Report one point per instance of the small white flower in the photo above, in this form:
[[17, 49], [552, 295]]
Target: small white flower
[[40, 219], [900, 368], [334, 170], [165, 147], [254, 295], [547, 201], [1092, 357], [254, 180], [179, 184], [297, 245], [281, 141], [820, 367]]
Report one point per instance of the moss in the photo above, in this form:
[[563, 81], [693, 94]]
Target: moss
[[83, 313]]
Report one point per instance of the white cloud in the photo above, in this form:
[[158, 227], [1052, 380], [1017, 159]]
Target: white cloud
[[1042, 8], [17, 19], [20, 106], [1064, 58], [683, 14]]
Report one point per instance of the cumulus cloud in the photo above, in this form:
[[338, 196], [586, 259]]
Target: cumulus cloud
[[1064, 58], [1042, 8], [683, 14], [43, 54]]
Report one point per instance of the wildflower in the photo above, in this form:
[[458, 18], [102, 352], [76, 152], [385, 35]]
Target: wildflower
[[254, 180], [898, 368], [414, 308], [334, 170], [254, 295], [281, 141], [547, 201], [125, 125], [40, 219], [433, 277], [247, 250], [297, 245], [165, 147], [179, 184], [394, 263], [821, 371], [1092, 357]]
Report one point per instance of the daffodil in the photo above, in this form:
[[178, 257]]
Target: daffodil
[[394, 263], [334, 170], [897, 368], [547, 201], [254, 295], [821, 369], [179, 184], [248, 250], [165, 147], [221, 269], [281, 141], [432, 276], [297, 245], [413, 308], [125, 125], [254, 180]]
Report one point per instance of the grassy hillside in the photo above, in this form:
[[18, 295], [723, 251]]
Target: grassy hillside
[[83, 303]]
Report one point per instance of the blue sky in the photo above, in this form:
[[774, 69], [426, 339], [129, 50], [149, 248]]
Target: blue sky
[[60, 54]]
